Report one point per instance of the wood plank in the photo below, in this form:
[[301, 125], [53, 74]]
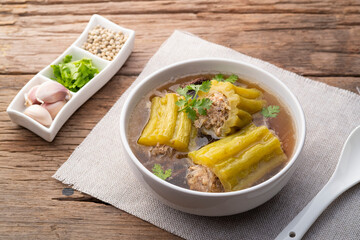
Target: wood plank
[[37, 219], [145, 7], [326, 52]]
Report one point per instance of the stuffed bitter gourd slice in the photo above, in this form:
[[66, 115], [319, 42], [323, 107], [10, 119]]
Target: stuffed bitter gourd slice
[[231, 108], [242, 159], [166, 125]]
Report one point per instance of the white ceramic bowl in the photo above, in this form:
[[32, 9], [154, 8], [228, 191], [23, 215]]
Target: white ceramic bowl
[[213, 204]]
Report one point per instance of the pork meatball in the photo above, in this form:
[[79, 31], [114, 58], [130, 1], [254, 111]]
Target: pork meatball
[[201, 178], [216, 115]]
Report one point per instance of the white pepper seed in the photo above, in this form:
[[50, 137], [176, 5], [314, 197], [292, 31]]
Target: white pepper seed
[[104, 43]]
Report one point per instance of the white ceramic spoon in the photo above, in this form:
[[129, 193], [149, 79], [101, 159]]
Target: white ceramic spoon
[[346, 175]]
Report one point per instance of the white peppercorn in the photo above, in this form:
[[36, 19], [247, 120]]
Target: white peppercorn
[[104, 43]]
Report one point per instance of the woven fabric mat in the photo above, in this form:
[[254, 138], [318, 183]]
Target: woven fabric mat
[[97, 167]]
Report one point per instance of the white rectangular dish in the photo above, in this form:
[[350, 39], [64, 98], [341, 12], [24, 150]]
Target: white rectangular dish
[[107, 69]]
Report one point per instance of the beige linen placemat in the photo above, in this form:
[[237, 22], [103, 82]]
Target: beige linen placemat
[[97, 167]]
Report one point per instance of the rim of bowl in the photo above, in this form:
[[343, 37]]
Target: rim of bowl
[[124, 140]]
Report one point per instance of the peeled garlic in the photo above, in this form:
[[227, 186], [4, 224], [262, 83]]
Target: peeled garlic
[[54, 108], [40, 114], [51, 91], [30, 97]]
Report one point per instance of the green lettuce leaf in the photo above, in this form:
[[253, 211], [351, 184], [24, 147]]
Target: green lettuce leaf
[[74, 75]]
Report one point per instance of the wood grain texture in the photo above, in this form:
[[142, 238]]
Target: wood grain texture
[[317, 39]]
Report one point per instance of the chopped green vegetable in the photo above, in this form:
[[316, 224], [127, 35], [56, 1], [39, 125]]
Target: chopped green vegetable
[[190, 104], [67, 59], [74, 75], [158, 171], [231, 79], [270, 111]]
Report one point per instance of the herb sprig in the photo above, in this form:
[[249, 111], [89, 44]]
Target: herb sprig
[[159, 172], [191, 103], [231, 79], [270, 111]]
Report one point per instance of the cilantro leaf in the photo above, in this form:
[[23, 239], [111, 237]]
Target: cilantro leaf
[[206, 103], [159, 172], [191, 103], [205, 86], [182, 91], [74, 75], [193, 87], [232, 79], [219, 77], [181, 102], [191, 113], [202, 105], [270, 111]]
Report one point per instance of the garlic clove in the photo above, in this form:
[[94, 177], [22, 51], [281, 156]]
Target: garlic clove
[[30, 97], [40, 114], [54, 108], [51, 91]]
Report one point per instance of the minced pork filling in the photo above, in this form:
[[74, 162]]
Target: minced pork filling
[[216, 115]]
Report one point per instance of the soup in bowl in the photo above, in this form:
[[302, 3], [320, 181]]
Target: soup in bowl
[[212, 137]]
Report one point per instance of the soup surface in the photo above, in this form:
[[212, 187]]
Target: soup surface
[[179, 161]]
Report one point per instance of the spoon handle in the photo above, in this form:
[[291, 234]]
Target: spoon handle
[[303, 221]]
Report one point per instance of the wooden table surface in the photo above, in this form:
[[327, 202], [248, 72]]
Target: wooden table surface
[[316, 39]]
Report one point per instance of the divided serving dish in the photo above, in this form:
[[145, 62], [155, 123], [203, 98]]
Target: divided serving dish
[[107, 69]]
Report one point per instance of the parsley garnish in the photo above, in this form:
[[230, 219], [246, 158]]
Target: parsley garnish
[[231, 79], [270, 111], [190, 104], [158, 171]]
